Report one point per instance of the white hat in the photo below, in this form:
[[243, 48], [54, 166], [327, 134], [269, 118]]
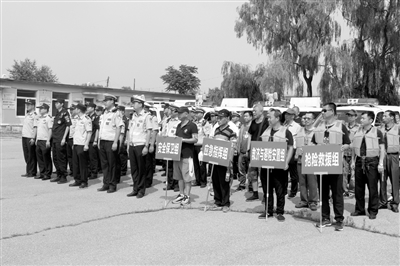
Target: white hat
[[138, 98]]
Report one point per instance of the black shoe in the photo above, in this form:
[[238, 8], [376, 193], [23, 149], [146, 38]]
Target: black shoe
[[339, 226], [83, 185], [250, 189], [203, 185], [111, 190], [372, 216], [240, 188], [38, 177], [75, 184], [102, 189], [31, 175], [176, 189], [24, 175], [356, 213], [148, 186], [195, 185], [62, 181], [139, 196], [383, 206], [94, 176], [263, 215], [55, 179], [168, 188], [124, 173], [253, 197], [132, 194], [280, 218], [46, 178], [395, 208], [164, 174], [292, 195]]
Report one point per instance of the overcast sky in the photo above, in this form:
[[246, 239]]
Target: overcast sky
[[89, 41]]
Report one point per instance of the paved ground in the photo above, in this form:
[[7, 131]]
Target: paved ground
[[46, 223]]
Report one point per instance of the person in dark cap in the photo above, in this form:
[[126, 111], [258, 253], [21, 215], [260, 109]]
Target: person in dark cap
[[204, 129], [123, 153], [183, 169], [70, 143], [221, 175], [44, 124], [108, 143], [61, 124], [28, 140], [93, 151], [82, 135], [139, 138]]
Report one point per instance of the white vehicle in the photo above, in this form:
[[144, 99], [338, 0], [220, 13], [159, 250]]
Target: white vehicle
[[234, 103]]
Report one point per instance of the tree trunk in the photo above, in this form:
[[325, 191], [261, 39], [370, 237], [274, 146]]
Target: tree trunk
[[308, 82]]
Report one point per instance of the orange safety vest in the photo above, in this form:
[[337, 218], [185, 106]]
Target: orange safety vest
[[393, 139], [279, 136], [335, 133], [371, 141], [302, 138]]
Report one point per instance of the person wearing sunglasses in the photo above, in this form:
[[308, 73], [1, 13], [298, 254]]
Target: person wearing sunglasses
[[348, 174], [332, 131]]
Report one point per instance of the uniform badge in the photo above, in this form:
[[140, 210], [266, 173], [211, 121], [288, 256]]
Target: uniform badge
[[185, 131], [59, 122]]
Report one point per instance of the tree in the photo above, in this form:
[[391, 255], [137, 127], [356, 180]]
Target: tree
[[239, 81], [295, 30], [182, 80], [28, 70], [215, 96], [376, 50]]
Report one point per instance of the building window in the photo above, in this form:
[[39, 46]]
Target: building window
[[59, 95], [88, 100], [22, 96]]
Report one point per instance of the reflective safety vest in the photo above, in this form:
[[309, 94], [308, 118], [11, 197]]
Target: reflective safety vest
[[279, 136], [371, 142], [393, 139], [303, 139], [335, 133]]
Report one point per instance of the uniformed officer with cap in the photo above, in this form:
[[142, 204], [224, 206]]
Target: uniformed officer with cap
[[28, 140], [99, 111], [138, 139], [93, 152], [82, 135], [110, 129], [123, 154], [44, 124], [70, 142], [169, 130], [61, 125], [151, 156], [204, 129]]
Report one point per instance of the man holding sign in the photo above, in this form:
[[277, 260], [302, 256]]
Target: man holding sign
[[184, 169], [332, 131], [278, 180]]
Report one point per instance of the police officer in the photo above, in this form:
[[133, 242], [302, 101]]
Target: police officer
[[169, 130], [139, 134], [278, 179], [123, 153], [167, 114], [369, 149], [204, 129], [120, 142], [93, 152], [108, 142], [99, 111], [391, 132], [44, 124], [82, 136], [332, 131], [28, 139], [70, 142], [150, 157], [61, 125]]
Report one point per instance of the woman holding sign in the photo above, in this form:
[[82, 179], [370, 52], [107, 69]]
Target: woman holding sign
[[278, 180]]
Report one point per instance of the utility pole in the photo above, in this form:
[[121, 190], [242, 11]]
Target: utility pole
[[108, 79], [134, 81]]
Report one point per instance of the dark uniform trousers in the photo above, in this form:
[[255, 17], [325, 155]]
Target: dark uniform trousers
[[60, 158], [392, 170], [80, 158], [220, 186], [334, 183], [30, 156], [70, 144], [108, 159], [43, 155], [200, 171], [123, 155], [118, 164], [368, 176], [93, 160], [278, 180], [294, 175], [138, 168], [150, 159]]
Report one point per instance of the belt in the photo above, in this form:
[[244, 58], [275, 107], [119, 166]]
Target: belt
[[393, 153], [137, 144]]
